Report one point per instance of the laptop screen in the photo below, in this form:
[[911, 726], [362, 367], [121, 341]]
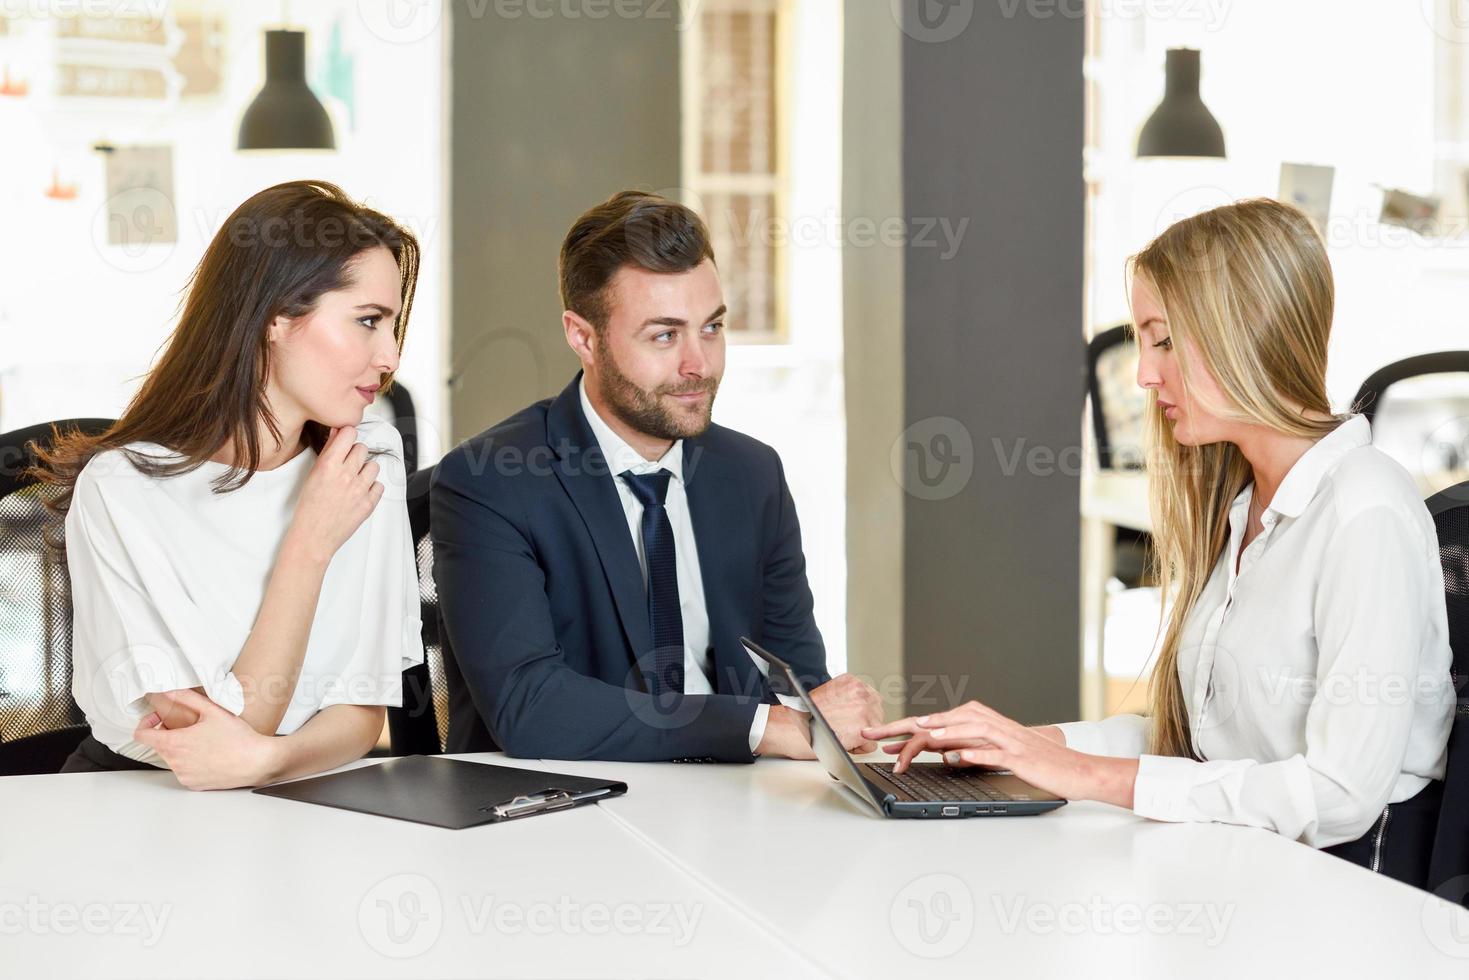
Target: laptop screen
[[824, 740]]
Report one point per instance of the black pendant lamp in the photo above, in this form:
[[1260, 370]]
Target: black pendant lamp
[[286, 115], [1181, 126]]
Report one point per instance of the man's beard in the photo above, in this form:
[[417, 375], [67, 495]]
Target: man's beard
[[644, 410]]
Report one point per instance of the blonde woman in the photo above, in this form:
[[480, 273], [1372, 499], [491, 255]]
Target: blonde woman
[[1303, 683]]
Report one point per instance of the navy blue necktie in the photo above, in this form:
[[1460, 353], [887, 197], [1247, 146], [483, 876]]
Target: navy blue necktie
[[665, 617]]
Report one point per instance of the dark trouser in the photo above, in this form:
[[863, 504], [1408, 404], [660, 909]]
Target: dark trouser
[[1400, 840], [93, 756]]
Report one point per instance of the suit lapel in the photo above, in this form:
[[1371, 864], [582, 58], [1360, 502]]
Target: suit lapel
[[584, 474]]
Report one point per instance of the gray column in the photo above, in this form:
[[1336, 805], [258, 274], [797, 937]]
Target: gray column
[[992, 111], [549, 115]]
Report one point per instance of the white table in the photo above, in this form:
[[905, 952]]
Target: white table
[[1067, 893], [775, 871], [255, 886]]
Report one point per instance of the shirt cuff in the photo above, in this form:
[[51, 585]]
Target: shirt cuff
[[757, 726], [1163, 785], [789, 701]]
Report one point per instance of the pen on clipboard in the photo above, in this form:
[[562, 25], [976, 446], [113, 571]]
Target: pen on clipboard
[[543, 802]]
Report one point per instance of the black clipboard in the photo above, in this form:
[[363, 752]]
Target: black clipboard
[[448, 793]]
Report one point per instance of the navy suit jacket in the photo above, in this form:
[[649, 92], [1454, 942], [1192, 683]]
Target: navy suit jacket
[[545, 613]]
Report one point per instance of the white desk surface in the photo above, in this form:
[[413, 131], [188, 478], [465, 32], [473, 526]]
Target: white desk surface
[[255, 886], [787, 875], [1066, 893]]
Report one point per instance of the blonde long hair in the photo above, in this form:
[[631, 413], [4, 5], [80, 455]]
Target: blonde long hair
[[1248, 293]]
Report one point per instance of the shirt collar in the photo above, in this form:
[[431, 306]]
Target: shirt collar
[[619, 455], [1301, 483]]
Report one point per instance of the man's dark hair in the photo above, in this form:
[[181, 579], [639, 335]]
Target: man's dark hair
[[629, 228]]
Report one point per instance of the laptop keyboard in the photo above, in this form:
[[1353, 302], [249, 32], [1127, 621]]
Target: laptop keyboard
[[932, 781]]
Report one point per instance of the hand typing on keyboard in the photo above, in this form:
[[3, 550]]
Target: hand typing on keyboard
[[975, 734]]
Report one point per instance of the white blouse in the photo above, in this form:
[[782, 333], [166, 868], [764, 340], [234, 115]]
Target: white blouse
[[167, 578], [1317, 678]]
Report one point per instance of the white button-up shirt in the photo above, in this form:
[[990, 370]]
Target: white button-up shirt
[[1316, 677], [621, 458]]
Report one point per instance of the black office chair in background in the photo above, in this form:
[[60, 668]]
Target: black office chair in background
[[405, 420], [1117, 403], [1117, 409], [1450, 857], [1419, 411], [421, 725], [40, 723]]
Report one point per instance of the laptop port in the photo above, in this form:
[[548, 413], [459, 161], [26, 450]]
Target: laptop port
[[951, 811], [981, 809]]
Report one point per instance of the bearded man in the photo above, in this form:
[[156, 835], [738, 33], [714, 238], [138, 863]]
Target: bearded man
[[599, 555]]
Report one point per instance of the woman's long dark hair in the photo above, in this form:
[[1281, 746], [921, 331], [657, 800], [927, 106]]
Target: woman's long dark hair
[[275, 256]]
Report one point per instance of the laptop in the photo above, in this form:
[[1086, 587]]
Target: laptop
[[927, 789]]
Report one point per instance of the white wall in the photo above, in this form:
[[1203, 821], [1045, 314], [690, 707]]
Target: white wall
[[1305, 81], [790, 395], [81, 320]]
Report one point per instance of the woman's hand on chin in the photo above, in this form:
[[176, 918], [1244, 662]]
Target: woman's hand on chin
[[974, 734], [219, 751]]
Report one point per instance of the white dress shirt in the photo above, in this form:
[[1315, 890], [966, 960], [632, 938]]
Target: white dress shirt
[[621, 458], [167, 578], [1316, 678]]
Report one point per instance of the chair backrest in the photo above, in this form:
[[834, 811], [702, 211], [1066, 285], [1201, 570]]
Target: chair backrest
[[405, 420], [1419, 410], [1450, 857], [40, 723], [421, 725], [1117, 403]]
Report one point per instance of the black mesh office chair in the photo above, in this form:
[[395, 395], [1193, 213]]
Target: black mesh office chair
[[1118, 406], [40, 724], [405, 420], [1419, 410], [1117, 403], [421, 725], [1450, 858]]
